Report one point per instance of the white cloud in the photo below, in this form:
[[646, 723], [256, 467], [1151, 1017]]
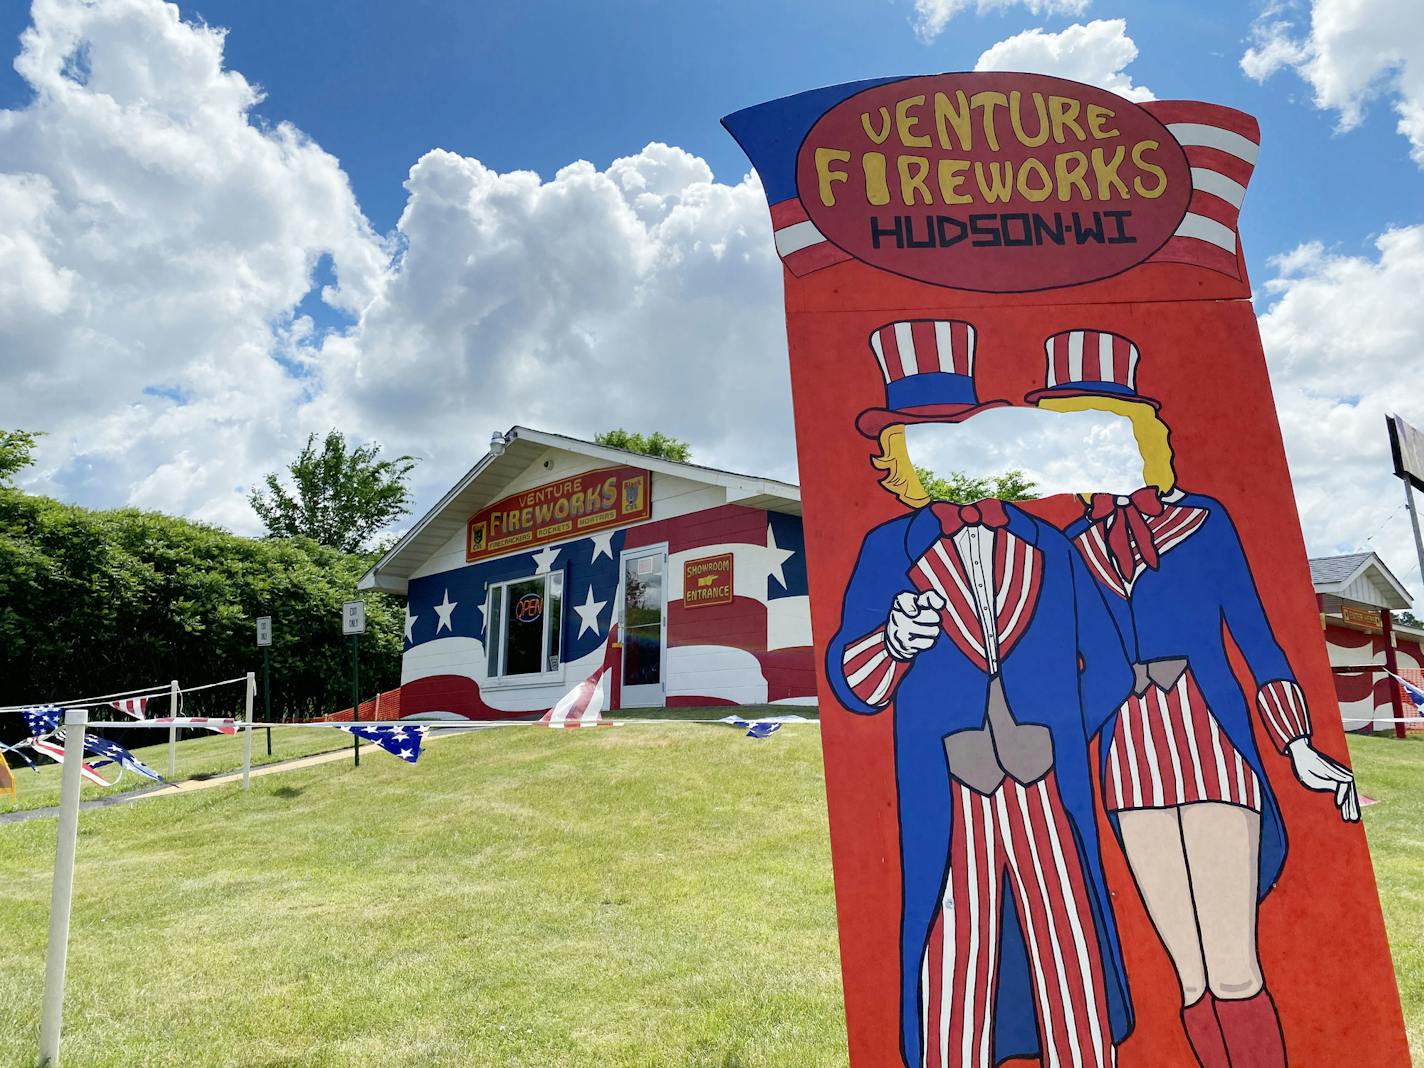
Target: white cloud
[[644, 295], [154, 242], [1355, 50], [1095, 52], [1342, 339], [932, 16]]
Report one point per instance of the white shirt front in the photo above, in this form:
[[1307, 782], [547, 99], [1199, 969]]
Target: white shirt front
[[975, 546]]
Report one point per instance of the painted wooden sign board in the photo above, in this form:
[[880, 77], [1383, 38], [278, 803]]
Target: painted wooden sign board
[[1364, 617], [707, 581], [572, 507], [1084, 764]]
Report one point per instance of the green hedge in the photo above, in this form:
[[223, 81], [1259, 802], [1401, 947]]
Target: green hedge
[[99, 601]]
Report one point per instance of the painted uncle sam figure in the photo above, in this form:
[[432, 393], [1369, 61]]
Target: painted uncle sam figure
[[1182, 777], [984, 628]]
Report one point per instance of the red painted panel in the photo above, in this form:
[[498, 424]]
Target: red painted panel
[[789, 672], [740, 625], [450, 693], [712, 526]]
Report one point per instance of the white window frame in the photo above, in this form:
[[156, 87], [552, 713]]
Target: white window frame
[[501, 681]]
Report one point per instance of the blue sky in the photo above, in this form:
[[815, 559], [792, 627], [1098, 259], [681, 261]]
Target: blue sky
[[189, 291], [538, 85]]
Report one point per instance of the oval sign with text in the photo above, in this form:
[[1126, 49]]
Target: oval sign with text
[[529, 608], [999, 183]]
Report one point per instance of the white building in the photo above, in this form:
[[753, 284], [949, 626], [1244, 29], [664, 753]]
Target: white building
[[517, 578]]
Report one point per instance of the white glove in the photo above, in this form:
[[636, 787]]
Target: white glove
[[914, 623], [1316, 771]]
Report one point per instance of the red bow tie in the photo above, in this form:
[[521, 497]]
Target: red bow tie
[[1125, 519], [954, 517]]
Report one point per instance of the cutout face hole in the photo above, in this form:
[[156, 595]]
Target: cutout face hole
[[1027, 454]]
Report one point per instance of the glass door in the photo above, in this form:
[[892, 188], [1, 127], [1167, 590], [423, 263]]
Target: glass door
[[644, 630]]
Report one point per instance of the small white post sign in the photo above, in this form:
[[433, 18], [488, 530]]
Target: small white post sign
[[353, 617], [264, 631]]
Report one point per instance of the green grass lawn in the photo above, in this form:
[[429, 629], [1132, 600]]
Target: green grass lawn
[[646, 895], [1392, 772], [653, 895]]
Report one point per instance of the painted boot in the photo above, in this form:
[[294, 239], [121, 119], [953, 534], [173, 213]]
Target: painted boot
[[1204, 1033], [1252, 1031]]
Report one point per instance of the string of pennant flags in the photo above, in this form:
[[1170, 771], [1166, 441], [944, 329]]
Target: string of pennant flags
[[46, 736], [581, 707]]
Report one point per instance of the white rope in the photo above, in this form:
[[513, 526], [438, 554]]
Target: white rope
[[149, 691], [85, 702], [210, 685]]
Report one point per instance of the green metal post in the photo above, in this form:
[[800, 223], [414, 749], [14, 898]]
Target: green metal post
[[267, 696], [356, 696]]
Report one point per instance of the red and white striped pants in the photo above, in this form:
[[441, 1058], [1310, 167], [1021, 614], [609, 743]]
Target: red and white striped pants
[[1022, 832]]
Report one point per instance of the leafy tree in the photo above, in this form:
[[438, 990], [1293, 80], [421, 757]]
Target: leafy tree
[[655, 444], [342, 498], [17, 449], [964, 489], [98, 601]]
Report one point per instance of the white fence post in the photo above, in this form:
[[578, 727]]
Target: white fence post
[[62, 891], [173, 731], [247, 732]]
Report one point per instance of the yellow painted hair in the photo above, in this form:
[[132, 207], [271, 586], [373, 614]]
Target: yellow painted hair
[[1153, 437], [900, 478]]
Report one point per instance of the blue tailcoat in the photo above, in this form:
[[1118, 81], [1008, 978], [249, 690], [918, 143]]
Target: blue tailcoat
[[1201, 588], [944, 692]]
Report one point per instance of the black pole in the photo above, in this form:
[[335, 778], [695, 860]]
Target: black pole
[[356, 697], [267, 696]]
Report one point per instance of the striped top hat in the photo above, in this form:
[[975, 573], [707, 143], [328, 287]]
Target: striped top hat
[[1090, 363], [928, 366]]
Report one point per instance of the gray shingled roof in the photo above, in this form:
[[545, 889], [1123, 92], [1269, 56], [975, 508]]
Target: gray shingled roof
[[1326, 570]]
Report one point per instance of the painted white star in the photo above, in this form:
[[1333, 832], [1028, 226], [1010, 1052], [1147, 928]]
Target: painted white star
[[444, 610], [409, 623], [544, 559], [778, 555], [602, 545], [588, 613]]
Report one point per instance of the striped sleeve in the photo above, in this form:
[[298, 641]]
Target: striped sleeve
[[1282, 708], [871, 671]]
